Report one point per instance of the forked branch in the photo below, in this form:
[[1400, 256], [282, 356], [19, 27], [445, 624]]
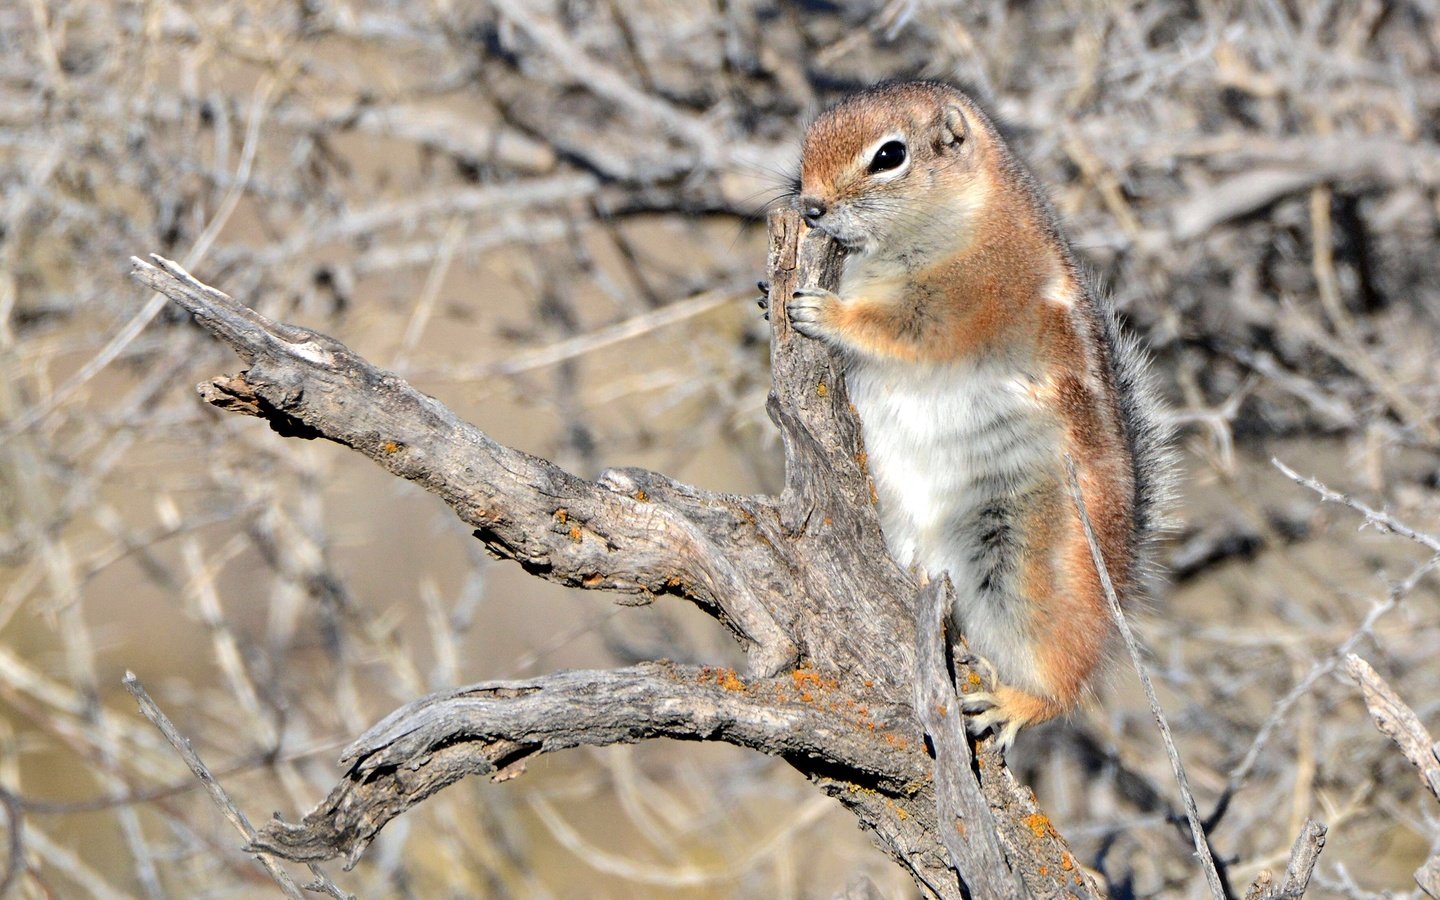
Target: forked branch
[[804, 581], [559, 527], [493, 727]]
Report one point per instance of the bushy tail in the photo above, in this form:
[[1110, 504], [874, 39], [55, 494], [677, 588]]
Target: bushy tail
[[1147, 431]]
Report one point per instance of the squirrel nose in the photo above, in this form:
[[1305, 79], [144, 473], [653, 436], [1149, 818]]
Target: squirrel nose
[[812, 210]]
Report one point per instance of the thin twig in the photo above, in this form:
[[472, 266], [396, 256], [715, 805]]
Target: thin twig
[[15, 851], [222, 800], [1382, 520], [1319, 670], [1197, 830]]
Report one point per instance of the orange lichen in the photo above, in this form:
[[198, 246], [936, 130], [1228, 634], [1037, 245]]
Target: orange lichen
[[809, 682], [642, 496], [561, 515], [942, 709], [390, 447], [862, 458], [1066, 862], [822, 390], [1038, 823], [575, 533], [728, 680]]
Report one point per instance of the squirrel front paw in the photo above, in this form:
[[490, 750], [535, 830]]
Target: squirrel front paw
[[812, 312]]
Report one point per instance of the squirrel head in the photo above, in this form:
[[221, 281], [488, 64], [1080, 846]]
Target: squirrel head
[[898, 170]]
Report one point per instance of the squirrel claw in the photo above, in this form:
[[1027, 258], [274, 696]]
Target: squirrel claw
[[984, 712], [1004, 709], [994, 719], [978, 701]]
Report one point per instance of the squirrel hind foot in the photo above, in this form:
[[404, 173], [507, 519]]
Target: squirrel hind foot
[[1005, 710]]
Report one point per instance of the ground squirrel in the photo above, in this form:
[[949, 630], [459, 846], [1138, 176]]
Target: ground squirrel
[[978, 357]]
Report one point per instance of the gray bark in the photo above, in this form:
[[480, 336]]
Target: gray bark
[[803, 581]]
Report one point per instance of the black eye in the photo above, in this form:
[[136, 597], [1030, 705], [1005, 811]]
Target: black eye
[[891, 155]]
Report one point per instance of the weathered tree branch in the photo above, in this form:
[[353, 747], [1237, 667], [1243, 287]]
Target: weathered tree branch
[[1397, 721], [803, 580], [593, 536], [1304, 854], [958, 800], [493, 727]]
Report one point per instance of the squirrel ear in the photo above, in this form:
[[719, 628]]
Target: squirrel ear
[[955, 127]]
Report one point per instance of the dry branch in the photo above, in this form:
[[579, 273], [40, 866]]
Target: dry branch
[[1132, 647], [1303, 857], [1301, 866], [1428, 876], [1397, 721], [308, 385], [590, 162], [494, 727], [217, 793], [1275, 169], [960, 805], [800, 578]]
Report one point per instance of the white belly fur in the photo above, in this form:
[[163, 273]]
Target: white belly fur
[[947, 446]]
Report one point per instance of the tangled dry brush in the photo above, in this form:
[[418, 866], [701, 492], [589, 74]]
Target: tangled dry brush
[[550, 216]]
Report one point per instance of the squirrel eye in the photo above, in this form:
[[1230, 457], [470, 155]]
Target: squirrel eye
[[891, 155]]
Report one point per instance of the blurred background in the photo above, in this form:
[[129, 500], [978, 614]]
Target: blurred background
[[551, 217]]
